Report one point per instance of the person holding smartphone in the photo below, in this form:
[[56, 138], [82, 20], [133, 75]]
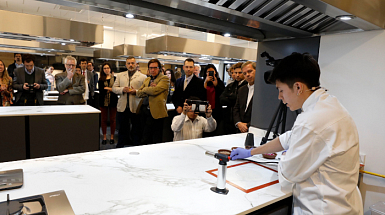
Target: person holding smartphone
[[214, 88]]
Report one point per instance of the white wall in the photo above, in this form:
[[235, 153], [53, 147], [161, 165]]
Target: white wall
[[353, 69]]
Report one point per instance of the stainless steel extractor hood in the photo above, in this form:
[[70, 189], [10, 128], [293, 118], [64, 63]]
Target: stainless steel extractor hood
[[257, 20], [35, 47], [22, 26], [184, 47], [125, 50], [139, 52], [104, 54]]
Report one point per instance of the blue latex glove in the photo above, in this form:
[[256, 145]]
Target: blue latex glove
[[240, 153]]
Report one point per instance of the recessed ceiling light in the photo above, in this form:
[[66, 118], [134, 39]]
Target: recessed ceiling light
[[63, 44], [72, 40], [227, 35], [107, 27], [129, 15], [345, 17]]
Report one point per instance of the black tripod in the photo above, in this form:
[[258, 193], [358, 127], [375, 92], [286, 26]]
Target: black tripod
[[281, 112]]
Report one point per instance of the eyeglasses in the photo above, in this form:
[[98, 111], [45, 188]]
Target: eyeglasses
[[70, 65], [153, 68]]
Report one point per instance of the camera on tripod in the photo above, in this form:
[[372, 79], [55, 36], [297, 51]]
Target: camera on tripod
[[270, 61], [198, 106]]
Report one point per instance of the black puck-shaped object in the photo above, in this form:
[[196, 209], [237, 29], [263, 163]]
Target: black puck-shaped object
[[11, 207]]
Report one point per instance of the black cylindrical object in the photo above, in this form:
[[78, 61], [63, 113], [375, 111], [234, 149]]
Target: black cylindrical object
[[249, 142]]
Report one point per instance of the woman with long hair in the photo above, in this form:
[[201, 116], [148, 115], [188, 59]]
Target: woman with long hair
[[170, 74], [214, 88], [108, 101], [6, 90]]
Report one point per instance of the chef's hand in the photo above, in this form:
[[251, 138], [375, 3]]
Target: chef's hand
[[240, 153]]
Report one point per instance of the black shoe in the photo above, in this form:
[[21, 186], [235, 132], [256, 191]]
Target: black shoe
[[104, 142], [112, 142]]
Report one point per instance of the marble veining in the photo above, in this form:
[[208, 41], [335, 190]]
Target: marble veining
[[167, 178]]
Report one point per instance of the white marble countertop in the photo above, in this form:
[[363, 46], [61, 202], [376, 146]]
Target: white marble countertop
[[46, 110], [168, 178]]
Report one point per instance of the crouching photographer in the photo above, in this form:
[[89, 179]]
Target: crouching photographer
[[189, 125], [29, 82]]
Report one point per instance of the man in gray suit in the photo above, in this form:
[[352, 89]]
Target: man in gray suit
[[29, 82], [70, 85]]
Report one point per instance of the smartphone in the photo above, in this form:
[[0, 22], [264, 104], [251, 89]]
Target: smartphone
[[211, 73]]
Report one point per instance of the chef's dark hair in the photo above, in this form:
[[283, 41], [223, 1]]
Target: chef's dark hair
[[297, 67]]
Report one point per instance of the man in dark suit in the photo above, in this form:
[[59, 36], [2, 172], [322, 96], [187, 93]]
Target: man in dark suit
[[187, 86], [244, 104], [229, 97], [17, 64], [70, 84], [29, 81], [90, 84]]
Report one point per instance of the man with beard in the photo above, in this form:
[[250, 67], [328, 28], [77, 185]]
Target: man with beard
[[126, 85]]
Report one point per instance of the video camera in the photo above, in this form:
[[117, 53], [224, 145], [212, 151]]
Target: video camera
[[198, 106], [270, 61]]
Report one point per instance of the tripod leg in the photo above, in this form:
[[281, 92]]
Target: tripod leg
[[284, 118], [264, 139], [281, 108]]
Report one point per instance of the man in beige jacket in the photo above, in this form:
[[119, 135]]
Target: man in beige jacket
[[126, 85], [154, 92]]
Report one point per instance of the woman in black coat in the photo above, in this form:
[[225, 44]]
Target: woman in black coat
[[107, 101], [214, 88]]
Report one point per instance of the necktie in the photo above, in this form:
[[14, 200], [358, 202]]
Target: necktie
[[185, 84]]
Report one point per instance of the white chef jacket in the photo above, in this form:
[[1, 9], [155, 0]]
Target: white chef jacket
[[185, 129], [321, 165]]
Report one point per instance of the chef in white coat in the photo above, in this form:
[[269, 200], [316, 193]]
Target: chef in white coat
[[321, 164]]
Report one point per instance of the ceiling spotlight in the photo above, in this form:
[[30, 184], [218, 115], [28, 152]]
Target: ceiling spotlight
[[63, 44], [129, 15], [227, 35], [345, 17], [107, 27], [72, 40]]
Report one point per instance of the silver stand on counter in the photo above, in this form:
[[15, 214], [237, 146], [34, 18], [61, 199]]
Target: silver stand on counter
[[222, 167]]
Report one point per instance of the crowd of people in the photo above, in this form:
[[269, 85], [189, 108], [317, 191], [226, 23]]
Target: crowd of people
[[137, 102]]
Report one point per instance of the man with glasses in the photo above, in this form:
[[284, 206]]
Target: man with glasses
[[70, 84], [154, 91]]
